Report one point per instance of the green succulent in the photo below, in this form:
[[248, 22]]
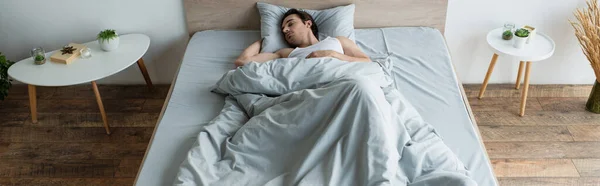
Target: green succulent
[[521, 32], [106, 35], [39, 57], [507, 35], [5, 82]]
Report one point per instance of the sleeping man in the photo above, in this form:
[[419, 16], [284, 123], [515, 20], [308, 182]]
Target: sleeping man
[[301, 33]]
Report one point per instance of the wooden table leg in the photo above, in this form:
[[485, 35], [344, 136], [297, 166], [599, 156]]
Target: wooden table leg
[[487, 76], [101, 106], [525, 88], [140, 63], [32, 103], [518, 83]]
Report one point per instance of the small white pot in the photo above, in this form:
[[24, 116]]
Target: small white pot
[[109, 45], [519, 42]]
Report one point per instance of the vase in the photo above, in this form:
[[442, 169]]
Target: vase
[[519, 42], [593, 103], [39, 55], [507, 31], [109, 45]]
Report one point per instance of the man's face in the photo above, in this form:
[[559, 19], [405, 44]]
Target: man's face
[[294, 30]]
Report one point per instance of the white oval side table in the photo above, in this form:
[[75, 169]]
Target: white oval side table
[[540, 48], [102, 64]]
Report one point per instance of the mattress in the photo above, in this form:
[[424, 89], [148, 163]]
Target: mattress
[[423, 72]]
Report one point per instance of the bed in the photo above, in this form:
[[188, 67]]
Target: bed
[[422, 67]]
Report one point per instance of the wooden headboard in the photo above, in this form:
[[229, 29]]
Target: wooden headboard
[[243, 14]]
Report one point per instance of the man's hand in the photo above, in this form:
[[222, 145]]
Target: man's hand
[[252, 54], [248, 54], [322, 53]]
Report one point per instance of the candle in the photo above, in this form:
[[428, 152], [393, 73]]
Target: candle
[[86, 53]]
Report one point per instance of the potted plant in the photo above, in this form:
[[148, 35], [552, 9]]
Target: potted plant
[[507, 35], [587, 31], [39, 55], [521, 38], [40, 59], [108, 40], [4, 80]]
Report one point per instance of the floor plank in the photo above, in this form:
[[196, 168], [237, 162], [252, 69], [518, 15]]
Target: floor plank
[[3, 146], [79, 119], [113, 92], [66, 181], [525, 133], [17, 168], [20, 91], [547, 150], [588, 167], [153, 105], [492, 90], [563, 104], [85, 92], [60, 106], [31, 134], [508, 90], [585, 132], [128, 168], [14, 106], [85, 151], [68, 106], [13, 119], [503, 104], [583, 181], [536, 118], [534, 168]]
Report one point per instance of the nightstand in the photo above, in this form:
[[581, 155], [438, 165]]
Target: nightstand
[[540, 48], [102, 64]]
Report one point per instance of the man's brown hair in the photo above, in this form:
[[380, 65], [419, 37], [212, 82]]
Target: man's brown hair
[[304, 17]]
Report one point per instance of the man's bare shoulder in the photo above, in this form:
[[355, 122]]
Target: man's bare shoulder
[[285, 52], [344, 41]]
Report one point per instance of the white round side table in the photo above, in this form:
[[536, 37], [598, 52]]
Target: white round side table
[[102, 64], [541, 47]]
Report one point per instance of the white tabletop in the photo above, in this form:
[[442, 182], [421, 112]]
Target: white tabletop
[[542, 46], [102, 64]]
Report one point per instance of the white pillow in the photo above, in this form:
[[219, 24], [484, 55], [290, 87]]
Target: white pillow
[[333, 22]]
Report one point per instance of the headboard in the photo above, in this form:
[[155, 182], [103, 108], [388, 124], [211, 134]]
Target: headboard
[[243, 14]]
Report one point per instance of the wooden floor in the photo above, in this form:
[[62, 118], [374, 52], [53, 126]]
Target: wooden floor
[[556, 143], [68, 145]]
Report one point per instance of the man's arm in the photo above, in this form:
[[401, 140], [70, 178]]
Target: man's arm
[[351, 52], [252, 54]]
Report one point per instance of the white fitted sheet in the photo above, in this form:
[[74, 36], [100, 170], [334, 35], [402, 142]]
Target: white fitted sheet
[[422, 71]]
